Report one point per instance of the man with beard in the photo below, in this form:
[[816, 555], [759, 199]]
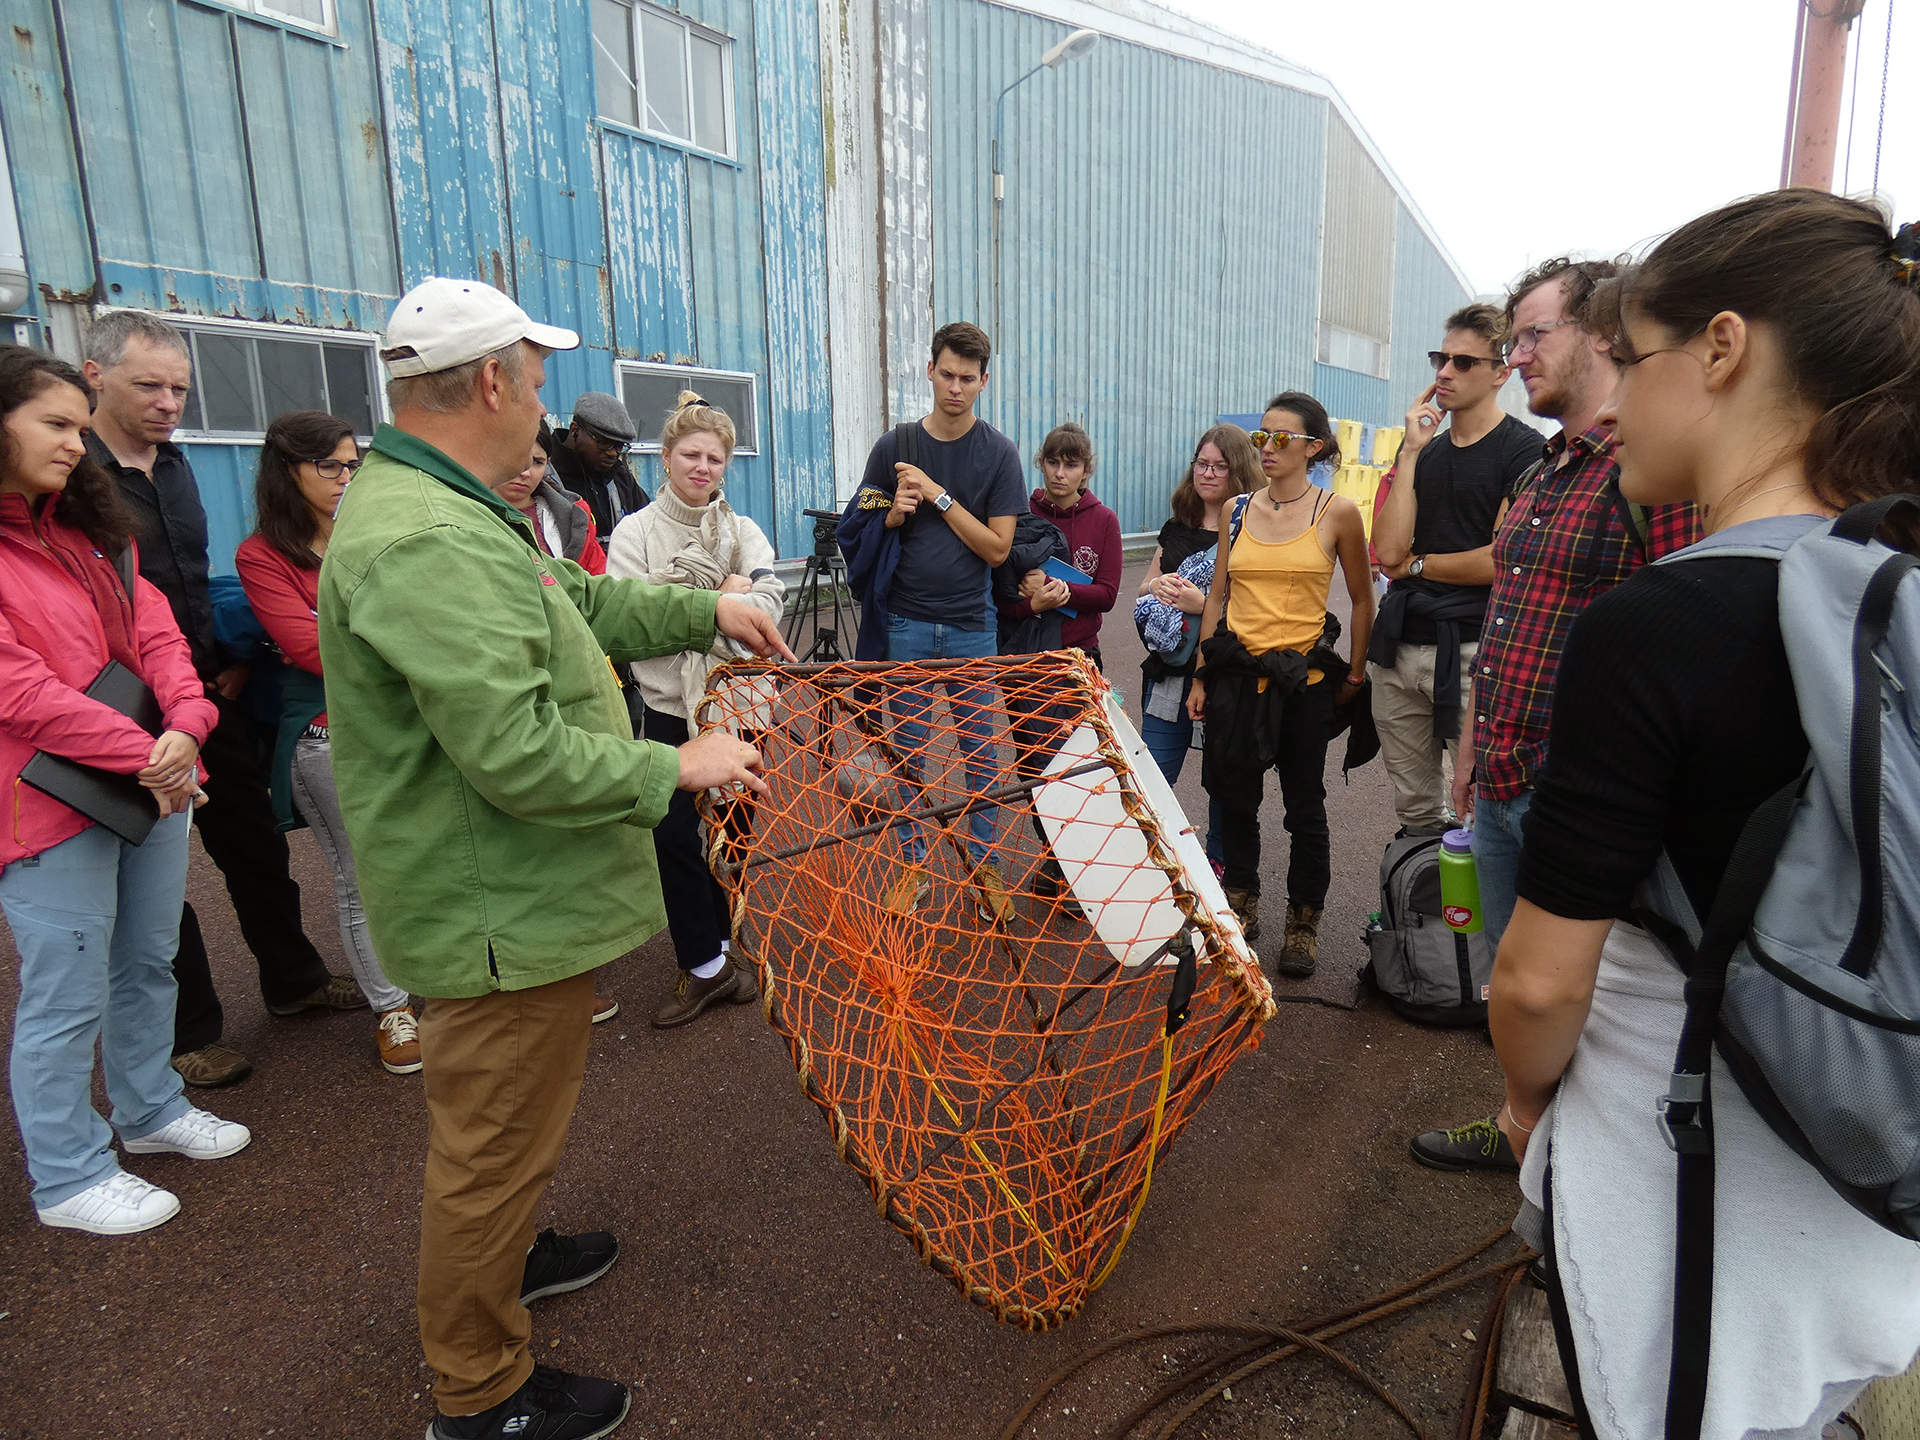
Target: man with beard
[[1432, 537], [1566, 537]]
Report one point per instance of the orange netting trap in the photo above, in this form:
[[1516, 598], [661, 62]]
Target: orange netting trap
[[1003, 1050]]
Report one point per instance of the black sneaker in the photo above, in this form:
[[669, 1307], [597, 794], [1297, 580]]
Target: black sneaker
[[552, 1405], [559, 1263], [1478, 1146]]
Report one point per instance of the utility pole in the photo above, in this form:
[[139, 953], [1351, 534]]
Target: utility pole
[[1814, 93]]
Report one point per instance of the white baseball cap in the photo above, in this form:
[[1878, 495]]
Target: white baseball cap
[[441, 324]]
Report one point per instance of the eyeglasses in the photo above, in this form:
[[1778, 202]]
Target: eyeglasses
[[1440, 359], [1207, 467], [1279, 439], [334, 469], [1525, 340]]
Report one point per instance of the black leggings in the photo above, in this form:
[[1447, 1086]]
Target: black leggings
[[697, 914], [1302, 766]]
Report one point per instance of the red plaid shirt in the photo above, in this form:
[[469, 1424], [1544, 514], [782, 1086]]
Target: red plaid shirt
[[1565, 540]]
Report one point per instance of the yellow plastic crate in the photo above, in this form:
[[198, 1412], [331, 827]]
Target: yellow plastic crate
[[1386, 444], [1347, 433]]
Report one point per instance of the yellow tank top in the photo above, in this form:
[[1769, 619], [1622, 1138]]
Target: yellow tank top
[[1278, 599]]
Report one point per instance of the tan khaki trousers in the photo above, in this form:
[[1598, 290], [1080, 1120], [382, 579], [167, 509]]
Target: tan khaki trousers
[[1420, 766], [502, 1074]]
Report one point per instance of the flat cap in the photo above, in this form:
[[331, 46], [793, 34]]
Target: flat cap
[[606, 414]]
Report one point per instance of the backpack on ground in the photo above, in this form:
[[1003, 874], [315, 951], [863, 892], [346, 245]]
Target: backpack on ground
[[1427, 972], [1806, 975]]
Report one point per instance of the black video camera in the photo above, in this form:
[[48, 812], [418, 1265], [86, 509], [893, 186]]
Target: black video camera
[[826, 524]]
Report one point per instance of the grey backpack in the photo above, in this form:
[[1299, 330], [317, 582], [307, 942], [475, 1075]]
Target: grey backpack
[[1427, 972], [1806, 975]]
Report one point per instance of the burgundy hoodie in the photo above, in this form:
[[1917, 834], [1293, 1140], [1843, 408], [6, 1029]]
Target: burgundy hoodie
[[1093, 545]]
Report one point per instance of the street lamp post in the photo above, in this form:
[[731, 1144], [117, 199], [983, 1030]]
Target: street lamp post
[[1076, 44]]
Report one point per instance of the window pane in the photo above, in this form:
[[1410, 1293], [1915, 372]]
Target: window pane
[[613, 61], [709, 94], [663, 51], [350, 386], [290, 377], [226, 381], [650, 396]]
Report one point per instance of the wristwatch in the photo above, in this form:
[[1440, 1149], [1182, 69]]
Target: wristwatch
[[943, 502], [1419, 564]]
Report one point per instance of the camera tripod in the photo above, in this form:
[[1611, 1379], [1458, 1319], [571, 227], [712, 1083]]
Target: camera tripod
[[824, 597]]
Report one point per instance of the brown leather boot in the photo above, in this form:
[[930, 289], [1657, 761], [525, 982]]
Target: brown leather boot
[[1297, 957], [1246, 909], [691, 998]]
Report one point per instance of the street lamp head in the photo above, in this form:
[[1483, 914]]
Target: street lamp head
[[1076, 44]]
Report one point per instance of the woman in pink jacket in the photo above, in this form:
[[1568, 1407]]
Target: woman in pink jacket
[[96, 920]]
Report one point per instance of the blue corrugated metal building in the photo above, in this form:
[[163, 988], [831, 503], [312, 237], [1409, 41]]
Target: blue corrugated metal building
[[777, 202]]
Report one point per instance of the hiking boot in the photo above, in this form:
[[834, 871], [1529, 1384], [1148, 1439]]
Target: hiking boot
[[398, 1040], [605, 1007], [339, 993], [552, 1405], [1245, 905], [691, 997], [1297, 959], [911, 885], [121, 1204], [197, 1135], [1050, 883], [559, 1263], [994, 903], [212, 1066], [1475, 1146]]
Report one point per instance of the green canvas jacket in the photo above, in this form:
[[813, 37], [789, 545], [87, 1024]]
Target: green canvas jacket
[[498, 803]]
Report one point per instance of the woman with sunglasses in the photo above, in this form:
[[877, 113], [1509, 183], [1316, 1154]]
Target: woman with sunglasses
[[305, 464], [1770, 367], [1274, 677]]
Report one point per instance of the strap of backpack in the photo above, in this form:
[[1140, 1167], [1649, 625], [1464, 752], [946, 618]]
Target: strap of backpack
[[906, 442], [1633, 517], [1686, 1111], [123, 563]]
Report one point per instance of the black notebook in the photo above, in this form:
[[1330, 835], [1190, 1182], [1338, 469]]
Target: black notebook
[[119, 802]]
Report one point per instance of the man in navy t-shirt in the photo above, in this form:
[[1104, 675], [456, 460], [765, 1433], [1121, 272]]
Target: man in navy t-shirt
[[955, 509]]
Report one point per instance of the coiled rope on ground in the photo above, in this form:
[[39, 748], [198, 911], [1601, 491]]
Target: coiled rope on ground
[[1267, 1345]]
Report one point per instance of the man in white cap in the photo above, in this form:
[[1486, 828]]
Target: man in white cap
[[499, 809]]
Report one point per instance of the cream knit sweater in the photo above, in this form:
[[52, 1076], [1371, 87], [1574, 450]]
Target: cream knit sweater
[[672, 543]]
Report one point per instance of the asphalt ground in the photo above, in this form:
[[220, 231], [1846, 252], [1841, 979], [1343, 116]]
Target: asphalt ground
[[757, 1292]]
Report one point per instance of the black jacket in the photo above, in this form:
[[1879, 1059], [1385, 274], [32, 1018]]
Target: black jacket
[[1035, 541], [1243, 721], [572, 473], [171, 526], [1447, 607]]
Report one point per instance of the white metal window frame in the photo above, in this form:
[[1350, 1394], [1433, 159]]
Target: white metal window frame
[[275, 14], [1337, 346], [358, 339], [636, 65], [691, 374]]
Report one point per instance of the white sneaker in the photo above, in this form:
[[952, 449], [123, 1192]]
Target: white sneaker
[[121, 1204], [197, 1135]]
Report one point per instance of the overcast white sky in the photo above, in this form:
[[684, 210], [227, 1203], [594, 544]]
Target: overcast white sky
[[1532, 128]]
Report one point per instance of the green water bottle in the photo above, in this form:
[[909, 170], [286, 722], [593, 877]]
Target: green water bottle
[[1459, 883]]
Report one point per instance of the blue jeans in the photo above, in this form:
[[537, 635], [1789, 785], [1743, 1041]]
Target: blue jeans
[[972, 710], [1168, 742], [96, 922], [1496, 858]]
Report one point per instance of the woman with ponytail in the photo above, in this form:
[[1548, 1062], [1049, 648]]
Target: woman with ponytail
[[1770, 357], [690, 536]]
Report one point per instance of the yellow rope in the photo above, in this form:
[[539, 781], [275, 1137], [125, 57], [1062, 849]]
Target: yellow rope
[[988, 1165], [1153, 1149]]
